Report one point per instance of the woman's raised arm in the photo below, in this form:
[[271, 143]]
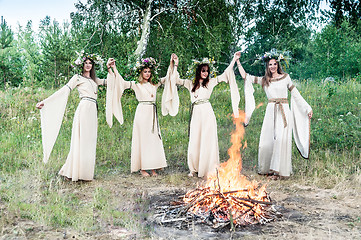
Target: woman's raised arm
[[240, 68]]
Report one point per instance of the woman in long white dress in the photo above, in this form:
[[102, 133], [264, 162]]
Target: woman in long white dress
[[203, 151], [147, 153], [275, 144], [80, 162]]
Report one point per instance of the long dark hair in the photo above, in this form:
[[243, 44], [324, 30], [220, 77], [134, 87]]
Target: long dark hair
[[268, 75], [198, 77], [92, 71]]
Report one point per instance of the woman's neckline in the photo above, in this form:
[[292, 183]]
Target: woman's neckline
[[86, 77], [279, 77]]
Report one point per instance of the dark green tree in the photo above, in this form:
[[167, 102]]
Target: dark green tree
[[334, 52], [10, 60], [6, 35], [58, 51], [203, 29], [280, 24], [129, 30], [341, 10], [30, 51]]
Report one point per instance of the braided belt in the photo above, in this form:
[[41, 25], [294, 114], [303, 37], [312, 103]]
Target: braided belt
[[90, 99], [197, 102], [278, 103], [155, 115]]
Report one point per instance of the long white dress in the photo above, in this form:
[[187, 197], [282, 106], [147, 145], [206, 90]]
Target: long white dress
[[147, 147], [275, 144], [80, 162], [203, 152]]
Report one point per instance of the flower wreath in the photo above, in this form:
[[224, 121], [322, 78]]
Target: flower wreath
[[146, 63], [192, 68], [82, 56], [283, 57]]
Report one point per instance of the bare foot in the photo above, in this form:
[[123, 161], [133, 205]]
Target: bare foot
[[191, 174], [66, 178], [154, 174], [284, 177], [274, 177], [266, 174], [144, 173]]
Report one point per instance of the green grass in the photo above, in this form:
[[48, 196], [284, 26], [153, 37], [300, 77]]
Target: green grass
[[32, 190]]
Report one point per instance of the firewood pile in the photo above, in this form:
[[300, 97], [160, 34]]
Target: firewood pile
[[217, 209], [227, 198]]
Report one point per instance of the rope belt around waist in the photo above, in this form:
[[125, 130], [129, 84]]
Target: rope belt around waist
[[155, 115], [197, 102], [278, 103], [91, 100]]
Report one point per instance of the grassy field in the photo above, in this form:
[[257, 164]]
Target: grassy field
[[31, 190]]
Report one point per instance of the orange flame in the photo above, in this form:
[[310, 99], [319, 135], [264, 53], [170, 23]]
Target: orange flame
[[228, 191]]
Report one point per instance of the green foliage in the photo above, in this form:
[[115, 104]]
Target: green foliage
[[283, 25], [340, 106], [31, 56], [11, 66], [334, 52], [6, 35], [58, 50], [344, 10], [204, 30], [192, 30], [10, 57]]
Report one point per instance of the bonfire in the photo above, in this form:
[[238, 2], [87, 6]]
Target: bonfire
[[226, 198]]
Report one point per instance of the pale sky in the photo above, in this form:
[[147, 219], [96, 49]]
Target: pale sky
[[20, 11]]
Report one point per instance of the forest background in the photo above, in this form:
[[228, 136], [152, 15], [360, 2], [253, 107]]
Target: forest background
[[325, 67], [127, 30]]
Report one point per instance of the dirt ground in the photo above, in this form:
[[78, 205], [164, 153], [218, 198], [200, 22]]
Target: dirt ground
[[309, 212]]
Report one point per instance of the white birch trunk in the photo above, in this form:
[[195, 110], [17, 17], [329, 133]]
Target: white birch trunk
[[143, 42]]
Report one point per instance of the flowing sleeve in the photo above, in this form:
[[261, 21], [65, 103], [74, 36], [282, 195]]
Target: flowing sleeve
[[101, 81], [250, 103], [229, 77], [184, 82], [115, 88], [301, 122], [170, 98], [162, 80], [52, 115]]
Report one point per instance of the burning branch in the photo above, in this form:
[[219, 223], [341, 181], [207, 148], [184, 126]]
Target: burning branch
[[227, 198]]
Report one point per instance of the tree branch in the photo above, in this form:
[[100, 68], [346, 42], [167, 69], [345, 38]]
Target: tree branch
[[206, 25], [162, 11], [160, 25]]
